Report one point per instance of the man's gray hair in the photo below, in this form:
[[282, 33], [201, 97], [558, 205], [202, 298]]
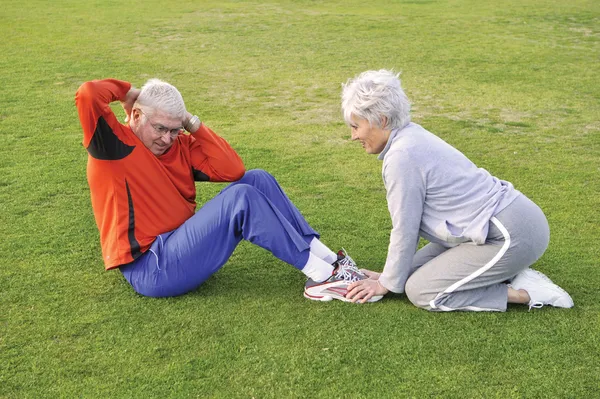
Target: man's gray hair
[[156, 94], [373, 95]]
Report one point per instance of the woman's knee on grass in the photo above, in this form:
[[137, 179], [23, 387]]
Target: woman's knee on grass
[[416, 292]]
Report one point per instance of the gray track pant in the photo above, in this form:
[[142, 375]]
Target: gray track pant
[[471, 277]]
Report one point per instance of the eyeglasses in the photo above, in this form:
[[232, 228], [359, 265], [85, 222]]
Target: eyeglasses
[[162, 130]]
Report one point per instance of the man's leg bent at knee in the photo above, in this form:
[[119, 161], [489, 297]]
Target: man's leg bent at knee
[[182, 260], [265, 183], [270, 188]]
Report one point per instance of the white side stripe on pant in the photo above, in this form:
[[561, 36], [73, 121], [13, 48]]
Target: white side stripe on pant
[[480, 271]]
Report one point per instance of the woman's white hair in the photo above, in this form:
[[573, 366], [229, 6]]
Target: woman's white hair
[[373, 95], [156, 94]]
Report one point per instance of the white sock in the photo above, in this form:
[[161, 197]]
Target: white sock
[[321, 250], [317, 269]]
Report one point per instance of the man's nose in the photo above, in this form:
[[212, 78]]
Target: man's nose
[[354, 135], [166, 138]]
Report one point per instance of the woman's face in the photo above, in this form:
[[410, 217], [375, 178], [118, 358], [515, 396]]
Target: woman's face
[[372, 138]]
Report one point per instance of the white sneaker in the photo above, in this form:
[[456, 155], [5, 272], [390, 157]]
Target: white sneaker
[[336, 287], [542, 291]]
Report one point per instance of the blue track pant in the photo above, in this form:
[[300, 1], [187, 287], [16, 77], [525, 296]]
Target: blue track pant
[[255, 208]]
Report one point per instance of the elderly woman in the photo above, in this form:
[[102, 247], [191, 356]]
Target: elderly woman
[[483, 233]]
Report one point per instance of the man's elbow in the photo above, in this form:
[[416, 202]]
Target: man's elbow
[[238, 172], [84, 93], [230, 174]]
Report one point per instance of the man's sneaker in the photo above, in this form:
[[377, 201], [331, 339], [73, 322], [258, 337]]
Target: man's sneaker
[[336, 286], [542, 291]]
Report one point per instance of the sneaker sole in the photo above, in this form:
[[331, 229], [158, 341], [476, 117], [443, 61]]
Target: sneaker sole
[[327, 298]]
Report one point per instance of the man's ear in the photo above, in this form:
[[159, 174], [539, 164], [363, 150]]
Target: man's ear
[[134, 119], [136, 115]]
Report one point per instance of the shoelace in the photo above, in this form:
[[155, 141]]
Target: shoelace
[[532, 305], [536, 305], [347, 260], [347, 269], [348, 273]]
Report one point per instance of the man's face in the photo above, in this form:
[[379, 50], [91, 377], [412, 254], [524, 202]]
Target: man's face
[[156, 129], [372, 138]]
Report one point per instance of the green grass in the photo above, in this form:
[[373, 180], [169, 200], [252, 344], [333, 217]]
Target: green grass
[[512, 84]]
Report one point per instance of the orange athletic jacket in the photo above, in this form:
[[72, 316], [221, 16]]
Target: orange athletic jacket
[[135, 194]]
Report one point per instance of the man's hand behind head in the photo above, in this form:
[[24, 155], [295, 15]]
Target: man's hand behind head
[[128, 102]]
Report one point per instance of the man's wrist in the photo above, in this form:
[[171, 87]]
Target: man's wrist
[[192, 124]]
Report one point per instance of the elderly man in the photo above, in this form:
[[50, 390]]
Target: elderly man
[[141, 177]]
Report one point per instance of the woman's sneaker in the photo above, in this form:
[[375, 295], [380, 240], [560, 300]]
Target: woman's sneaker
[[335, 287], [542, 291]]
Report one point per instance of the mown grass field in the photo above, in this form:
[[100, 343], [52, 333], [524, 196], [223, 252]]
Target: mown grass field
[[512, 84]]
